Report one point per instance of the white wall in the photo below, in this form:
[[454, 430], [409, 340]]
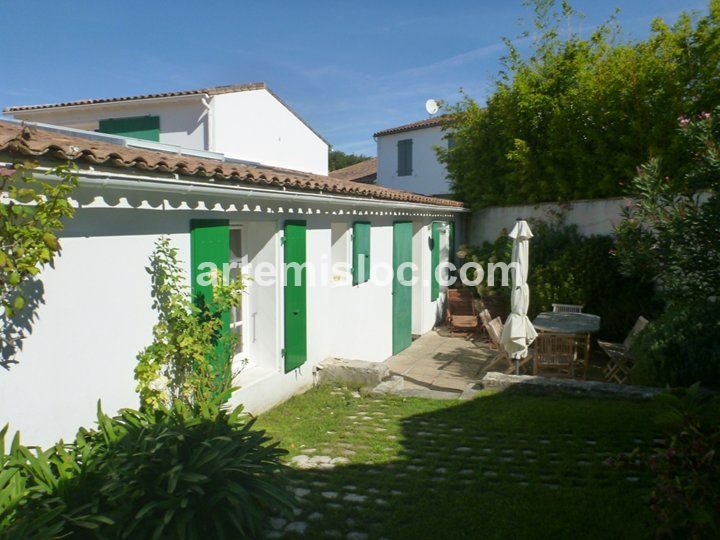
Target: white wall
[[428, 176], [182, 122], [96, 313], [255, 126], [592, 216]]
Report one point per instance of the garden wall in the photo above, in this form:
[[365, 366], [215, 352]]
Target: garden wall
[[592, 216]]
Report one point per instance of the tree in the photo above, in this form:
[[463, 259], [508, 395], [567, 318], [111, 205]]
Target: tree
[[340, 160], [574, 118], [29, 222]]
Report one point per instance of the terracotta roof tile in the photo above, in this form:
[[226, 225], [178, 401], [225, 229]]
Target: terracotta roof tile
[[422, 124], [32, 141], [210, 91], [365, 172]]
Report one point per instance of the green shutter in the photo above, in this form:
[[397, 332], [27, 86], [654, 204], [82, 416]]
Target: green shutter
[[451, 241], [295, 256], [404, 157], [140, 127], [435, 261], [361, 252], [209, 243]]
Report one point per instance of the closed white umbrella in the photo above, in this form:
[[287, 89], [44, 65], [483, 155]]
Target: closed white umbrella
[[518, 332]]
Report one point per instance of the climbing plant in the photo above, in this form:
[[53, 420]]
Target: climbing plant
[[190, 358], [31, 215]]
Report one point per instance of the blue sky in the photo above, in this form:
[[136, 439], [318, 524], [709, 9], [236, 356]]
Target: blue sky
[[349, 68]]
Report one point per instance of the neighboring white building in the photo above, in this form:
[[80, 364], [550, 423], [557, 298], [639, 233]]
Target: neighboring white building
[[406, 157], [245, 122], [94, 308]]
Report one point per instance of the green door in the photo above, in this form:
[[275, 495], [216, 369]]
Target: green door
[[209, 249], [402, 294], [435, 261], [295, 295]]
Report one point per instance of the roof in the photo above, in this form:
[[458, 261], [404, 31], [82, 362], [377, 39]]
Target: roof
[[364, 171], [211, 91], [32, 141], [422, 124]]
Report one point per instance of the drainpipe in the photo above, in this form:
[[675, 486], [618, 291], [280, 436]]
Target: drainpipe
[[208, 109]]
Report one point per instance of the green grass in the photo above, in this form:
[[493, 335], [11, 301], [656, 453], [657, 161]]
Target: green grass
[[498, 466]]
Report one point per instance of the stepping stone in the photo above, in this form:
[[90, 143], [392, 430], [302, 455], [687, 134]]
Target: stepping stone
[[334, 506], [296, 527], [441, 470], [277, 523], [301, 492], [463, 449], [395, 492], [348, 452], [317, 483], [337, 460], [333, 533], [330, 494], [415, 468], [381, 502], [490, 474], [349, 488], [467, 471], [354, 497], [354, 535], [300, 460], [315, 516], [373, 490]]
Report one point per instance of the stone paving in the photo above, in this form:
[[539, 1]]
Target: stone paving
[[440, 362], [379, 461]]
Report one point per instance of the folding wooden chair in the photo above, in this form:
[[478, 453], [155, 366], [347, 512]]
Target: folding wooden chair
[[556, 353], [567, 308], [494, 330], [620, 360], [461, 315]]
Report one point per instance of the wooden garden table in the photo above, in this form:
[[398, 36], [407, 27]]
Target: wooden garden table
[[582, 325]]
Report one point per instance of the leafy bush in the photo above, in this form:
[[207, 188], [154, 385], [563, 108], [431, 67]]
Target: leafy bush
[[681, 347], [573, 118], [172, 472], [686, 467], [568, 268]]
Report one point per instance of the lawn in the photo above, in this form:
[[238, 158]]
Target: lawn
[[498, 466]]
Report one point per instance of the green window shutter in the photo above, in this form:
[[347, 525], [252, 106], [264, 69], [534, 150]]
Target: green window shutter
[[435, 262], [361, 252], [451, 241], [295, 257], [404, 157], [140, 127], [209, 243]]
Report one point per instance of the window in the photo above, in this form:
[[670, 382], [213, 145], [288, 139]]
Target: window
[[339, 252], [237, 319], [139, 127], [404, 157], [361, 252]]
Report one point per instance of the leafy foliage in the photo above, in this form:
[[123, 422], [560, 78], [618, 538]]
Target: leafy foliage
[[339, 159], [176, 472], [685, 499], [680, 347], [568, 268], [191, 356], [672, 233], [574, 118], [29, 222]]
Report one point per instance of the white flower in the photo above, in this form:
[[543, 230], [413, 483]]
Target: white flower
[[159, 384]]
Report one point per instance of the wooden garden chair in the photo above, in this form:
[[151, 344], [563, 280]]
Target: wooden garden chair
[[567, 308], [555, 353], [461, 315], [620, 361], [494, 330]]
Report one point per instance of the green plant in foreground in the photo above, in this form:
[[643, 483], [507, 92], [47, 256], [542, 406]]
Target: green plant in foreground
[[178, 472], [686, 467], [190, 358]]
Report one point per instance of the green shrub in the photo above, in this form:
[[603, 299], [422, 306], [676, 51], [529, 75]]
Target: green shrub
[[169, 473], [681, 347], [685, 499]]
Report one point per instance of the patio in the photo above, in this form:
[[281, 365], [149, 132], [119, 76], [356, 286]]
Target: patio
[[442, 363]]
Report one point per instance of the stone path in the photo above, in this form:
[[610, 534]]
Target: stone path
[[442, 363], [348, 486]]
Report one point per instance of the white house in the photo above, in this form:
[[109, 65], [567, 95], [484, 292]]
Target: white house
[[406, 157], [94, 312], [245, 121]]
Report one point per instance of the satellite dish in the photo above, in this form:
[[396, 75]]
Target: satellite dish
[[431, 106]]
